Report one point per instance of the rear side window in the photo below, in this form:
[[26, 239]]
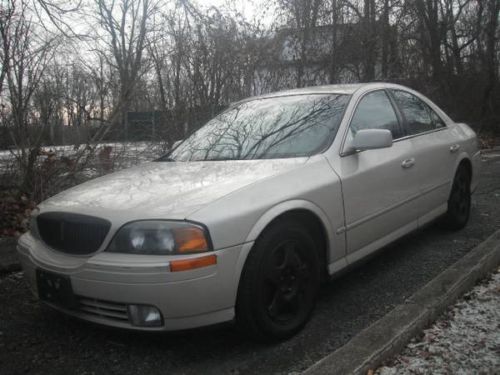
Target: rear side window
[[375, 111], [420, 118], [438, 122]]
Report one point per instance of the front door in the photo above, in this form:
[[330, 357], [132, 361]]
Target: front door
[[379, 186]]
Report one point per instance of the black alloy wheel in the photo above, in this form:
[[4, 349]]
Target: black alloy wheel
[[459, 201], [288, 283], [279, 284]]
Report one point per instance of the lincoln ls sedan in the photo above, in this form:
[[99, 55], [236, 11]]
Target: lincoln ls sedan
[[245, 218]]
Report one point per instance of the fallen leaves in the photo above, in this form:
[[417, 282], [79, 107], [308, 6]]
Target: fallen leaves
[[15, 211]]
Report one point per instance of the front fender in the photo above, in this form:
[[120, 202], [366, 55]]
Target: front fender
[[268, 217], [283, 207]]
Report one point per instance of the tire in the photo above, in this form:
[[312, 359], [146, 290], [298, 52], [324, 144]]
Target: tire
[[459, 201], [279, 283]]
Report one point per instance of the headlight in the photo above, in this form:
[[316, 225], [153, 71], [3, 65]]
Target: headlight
[[156, 237]]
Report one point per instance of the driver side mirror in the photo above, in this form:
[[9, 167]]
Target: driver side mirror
[[369, 139]]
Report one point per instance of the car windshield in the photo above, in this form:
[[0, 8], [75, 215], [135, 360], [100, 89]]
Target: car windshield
[[280, 127]]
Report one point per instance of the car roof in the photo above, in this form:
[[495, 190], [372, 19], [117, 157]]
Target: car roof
[[330, 89], [346, 89]]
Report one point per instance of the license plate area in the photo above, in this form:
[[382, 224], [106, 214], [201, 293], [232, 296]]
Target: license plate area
[[55, 289]]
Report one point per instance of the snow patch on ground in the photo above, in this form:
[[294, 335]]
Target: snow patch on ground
[[465, 340], [123, 155]]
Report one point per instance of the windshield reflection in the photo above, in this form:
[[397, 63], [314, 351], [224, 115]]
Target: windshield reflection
[[281, 127]]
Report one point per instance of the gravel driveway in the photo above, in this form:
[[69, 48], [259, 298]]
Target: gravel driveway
[[36, 340]]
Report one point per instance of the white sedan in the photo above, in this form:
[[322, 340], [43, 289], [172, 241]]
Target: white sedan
[[245, 218]]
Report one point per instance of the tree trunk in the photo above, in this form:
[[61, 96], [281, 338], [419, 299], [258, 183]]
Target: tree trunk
[[490, 63], [369, 41]]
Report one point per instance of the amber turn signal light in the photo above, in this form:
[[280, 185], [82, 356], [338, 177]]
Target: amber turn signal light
[[192, 263], [190, 239]]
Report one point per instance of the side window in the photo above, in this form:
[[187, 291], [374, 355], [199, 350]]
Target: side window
[[419, 116], [375, 111], [438, 122]]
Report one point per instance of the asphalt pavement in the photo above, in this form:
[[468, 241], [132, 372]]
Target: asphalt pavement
[[35, 339]]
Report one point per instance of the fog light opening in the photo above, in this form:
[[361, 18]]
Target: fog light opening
[[145, 316]]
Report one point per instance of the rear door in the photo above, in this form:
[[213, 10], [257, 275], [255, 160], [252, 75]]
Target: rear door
[[380, 187], [434, 150]]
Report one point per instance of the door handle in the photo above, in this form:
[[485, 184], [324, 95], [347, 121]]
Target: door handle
[[408, 163], [454, 148]]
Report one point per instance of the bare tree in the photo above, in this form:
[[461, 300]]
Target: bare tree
[[26, 61], [490, 55], [303, 15], [6, 24], [126, 25]]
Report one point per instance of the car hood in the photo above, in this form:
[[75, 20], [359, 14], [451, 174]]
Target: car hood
[[165, 189]]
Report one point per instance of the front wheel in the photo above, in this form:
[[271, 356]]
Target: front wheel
[[459, 201], [279, 283]]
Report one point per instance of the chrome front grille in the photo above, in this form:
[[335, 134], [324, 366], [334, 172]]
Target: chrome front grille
[[72, 233]]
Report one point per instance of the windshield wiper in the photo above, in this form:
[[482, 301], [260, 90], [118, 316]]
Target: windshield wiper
[[165, 158]]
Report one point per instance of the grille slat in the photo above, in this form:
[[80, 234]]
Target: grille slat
[[104, 313], [72, 233], [103, 309], [103, 305]]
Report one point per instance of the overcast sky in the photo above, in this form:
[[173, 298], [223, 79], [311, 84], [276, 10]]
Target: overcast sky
[[254, 11], [250, 9]]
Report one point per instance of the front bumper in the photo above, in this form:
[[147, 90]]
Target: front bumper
[[105, 284]]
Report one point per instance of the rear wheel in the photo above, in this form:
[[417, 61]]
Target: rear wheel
[[279, 283], [459, 201]]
